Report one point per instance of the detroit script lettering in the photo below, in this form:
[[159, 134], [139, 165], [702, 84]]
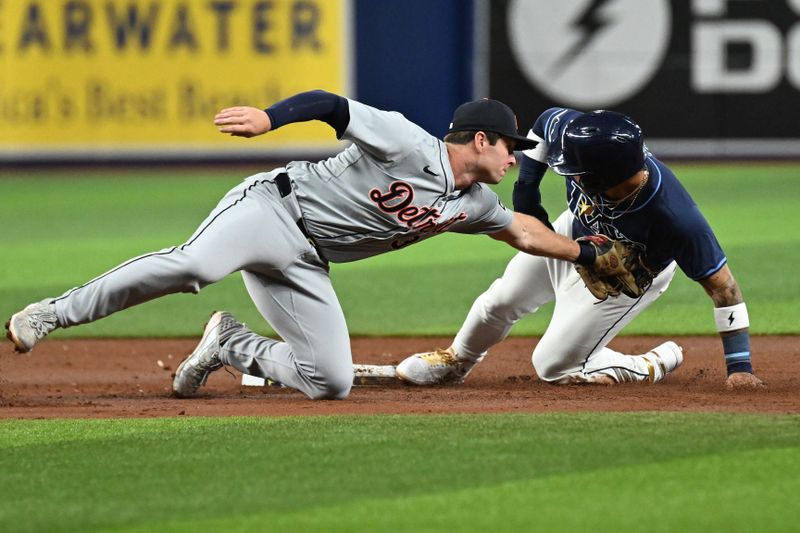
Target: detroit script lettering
[[397, 201]]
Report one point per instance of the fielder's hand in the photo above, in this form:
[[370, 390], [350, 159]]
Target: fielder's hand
[[243, 121], [743, 380]]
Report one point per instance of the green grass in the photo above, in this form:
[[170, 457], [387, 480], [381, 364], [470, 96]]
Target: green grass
[[550, 472], [546, 472], [63, 228]]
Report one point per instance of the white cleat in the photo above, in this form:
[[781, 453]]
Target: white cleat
[[663, 360], [434, 368], [31, 325], [608, 367], [193, 372]]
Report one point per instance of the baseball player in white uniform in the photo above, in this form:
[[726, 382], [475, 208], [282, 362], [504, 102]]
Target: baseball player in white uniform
[[395, 185], [615, 187]]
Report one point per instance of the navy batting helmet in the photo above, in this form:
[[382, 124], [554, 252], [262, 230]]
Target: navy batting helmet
[[604, 148]]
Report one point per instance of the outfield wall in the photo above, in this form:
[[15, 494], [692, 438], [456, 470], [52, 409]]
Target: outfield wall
[[118, 80]]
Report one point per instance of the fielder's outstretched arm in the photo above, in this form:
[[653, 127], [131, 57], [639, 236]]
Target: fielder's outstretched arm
[[733, 324], [529, 235], [244, 121]]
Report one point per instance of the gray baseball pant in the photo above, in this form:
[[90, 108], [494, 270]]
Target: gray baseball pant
[[254, 230]]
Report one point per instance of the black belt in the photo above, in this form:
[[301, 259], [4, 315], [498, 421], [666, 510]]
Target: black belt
[[284, 184]]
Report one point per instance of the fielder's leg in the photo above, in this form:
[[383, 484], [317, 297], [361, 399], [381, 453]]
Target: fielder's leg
[[230, 238], [300, 304]]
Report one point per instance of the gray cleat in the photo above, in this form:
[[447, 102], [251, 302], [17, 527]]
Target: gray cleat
[[31, 325], [193, 372]]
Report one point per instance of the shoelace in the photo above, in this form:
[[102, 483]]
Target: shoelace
[[199, 372]]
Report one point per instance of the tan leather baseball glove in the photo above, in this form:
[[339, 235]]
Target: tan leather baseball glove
[[618, 268]]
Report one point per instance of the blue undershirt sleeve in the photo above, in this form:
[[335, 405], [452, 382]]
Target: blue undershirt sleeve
[[311, 105], [527, 197]]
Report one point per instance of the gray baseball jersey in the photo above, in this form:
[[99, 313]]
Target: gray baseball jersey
[[392, 187]]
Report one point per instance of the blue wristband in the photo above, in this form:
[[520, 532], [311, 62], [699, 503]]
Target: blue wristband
[[737, 352], [587, 254]]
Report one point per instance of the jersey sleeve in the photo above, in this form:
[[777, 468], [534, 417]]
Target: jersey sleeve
[[386, 135], [697, 250]]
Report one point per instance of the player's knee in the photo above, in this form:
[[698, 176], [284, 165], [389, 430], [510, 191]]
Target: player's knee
[[332, 383], [549, 368], [335, 387], [543, 370]]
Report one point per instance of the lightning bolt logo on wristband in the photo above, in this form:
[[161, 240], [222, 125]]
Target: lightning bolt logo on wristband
[[731, 318]]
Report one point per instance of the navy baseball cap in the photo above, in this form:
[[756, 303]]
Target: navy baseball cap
[[489, 115]]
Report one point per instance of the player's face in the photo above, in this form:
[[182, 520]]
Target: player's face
[[498, 158]]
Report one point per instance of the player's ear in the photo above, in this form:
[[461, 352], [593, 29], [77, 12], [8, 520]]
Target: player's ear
[[479, 140]]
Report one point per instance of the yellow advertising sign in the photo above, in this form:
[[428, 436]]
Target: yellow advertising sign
[[139, 76]]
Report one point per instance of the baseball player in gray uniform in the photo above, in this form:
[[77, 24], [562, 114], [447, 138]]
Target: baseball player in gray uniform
[[395, 185]]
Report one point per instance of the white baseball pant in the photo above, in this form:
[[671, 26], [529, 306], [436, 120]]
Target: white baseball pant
[[573, 349]]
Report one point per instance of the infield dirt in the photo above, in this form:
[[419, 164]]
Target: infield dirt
[[132, 378]]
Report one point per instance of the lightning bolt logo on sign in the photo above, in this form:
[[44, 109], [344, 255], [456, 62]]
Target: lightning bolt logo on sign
[[589, 53], [587, 25]]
